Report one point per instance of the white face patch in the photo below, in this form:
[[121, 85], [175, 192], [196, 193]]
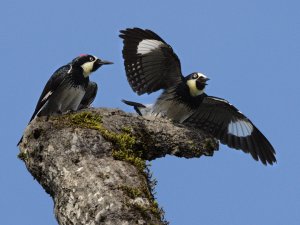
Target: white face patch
[[148, 45], [194, 91], [87, 67], [202, 75], [240, 128]]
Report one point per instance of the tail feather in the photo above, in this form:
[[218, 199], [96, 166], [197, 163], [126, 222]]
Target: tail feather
[[135, 105]]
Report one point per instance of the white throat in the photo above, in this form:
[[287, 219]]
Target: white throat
[[87, 67], [194, 91]]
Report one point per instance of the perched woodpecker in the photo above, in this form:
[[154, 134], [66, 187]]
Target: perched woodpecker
[[151, 65], [69, 88]]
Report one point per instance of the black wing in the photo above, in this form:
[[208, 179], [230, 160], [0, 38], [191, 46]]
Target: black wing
[[52, 84], [89, 95], [221, 119], [150, 62]]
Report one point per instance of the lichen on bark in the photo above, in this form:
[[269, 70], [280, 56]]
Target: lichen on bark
[[93, 163]]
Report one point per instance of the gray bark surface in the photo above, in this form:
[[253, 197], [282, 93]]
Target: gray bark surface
[[92, 163]]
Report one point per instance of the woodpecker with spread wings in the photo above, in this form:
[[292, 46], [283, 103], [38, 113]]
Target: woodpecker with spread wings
[[151, 65], [69, 88]]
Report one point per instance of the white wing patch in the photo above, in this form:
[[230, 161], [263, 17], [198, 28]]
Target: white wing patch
[[69, 71], [47, 96], [240, 128], [220, 100], [148, 45]]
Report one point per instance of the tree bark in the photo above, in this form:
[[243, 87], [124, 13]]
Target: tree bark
[[93, 163]]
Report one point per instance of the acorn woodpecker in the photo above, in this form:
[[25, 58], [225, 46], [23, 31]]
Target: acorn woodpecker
[[151, 64], [69, 88]]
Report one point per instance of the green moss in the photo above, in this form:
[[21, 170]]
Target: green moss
[[131, 192], [191, 143], [127, 129], [209, 144], [207, 147], [130, 156], [125, 149], [86, 120], [23, 155], [143, 210], [153, 209], [124, 142], [143, 192]]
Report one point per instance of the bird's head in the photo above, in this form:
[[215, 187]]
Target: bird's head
[[196, 83], [88, 63]]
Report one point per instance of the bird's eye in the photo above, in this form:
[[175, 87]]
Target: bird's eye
[[195, 76], [92, 59]]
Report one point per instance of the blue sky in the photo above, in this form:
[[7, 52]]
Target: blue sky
[[249, 49]]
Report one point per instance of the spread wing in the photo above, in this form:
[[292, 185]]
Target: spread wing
[[226, 123], [150, 62], [52, 84], [89, 95]]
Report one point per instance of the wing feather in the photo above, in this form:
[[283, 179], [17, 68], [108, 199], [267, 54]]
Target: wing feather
[[50, 87], [225, 122], [150, 63]]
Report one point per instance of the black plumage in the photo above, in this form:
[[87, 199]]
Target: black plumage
[[69, 87], [151, 64], [148, 73], [89, 96]]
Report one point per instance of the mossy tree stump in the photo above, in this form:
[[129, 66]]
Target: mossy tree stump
[[93, 163]]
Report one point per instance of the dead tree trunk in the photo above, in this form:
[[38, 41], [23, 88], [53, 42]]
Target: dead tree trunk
[[93, 163]]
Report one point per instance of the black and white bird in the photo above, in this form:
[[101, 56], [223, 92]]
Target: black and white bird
[[69, 88], [151, 65]]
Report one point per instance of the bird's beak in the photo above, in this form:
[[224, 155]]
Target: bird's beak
[[98, 63], [206, 79], [201, 83], [203, 80], [103, 62]]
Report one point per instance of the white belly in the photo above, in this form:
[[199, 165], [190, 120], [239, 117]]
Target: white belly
[[173, 110], [64, 99], [71, 99]]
